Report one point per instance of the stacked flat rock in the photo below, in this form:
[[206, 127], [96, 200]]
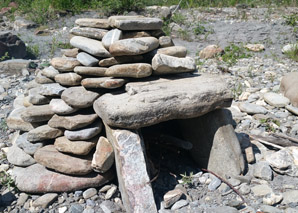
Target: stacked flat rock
[[123, 73]]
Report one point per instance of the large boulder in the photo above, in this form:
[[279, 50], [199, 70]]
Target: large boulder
[[157, 100], [12, 46], [289, 87]]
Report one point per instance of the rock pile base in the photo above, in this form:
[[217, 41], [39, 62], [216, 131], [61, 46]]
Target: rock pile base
[[123, 73]]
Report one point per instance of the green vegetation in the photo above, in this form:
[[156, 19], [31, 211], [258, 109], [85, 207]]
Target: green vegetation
[[199, 29], [233, 52], [34, 50], [291, 20], [4, 57], [237, 90], [293, 53], [3, 125], [6, 180], [270, 124], [186, 179]]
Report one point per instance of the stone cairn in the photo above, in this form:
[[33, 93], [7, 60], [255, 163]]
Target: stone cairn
[[124, 74]]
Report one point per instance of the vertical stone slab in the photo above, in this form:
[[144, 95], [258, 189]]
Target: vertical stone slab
[[136, 191], [215, 144]]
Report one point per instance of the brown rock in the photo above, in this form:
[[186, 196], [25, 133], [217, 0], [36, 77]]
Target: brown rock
[[62, 144], [64, 64], [68, 79], [41, 79], [71, 52], [107, 62], [89, 32], [165, 41], [37, 113], [172, 197], [104, 82], [49, 157], [177, 51], [15, 121], [210, 51], [135, 34], [43, 133], [93, 22], [103, 157], [37, 179], [94, 71], [137, 70], [72, 122]]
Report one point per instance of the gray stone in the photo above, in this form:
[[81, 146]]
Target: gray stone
[[288, 48], [87, 60], [270, 209], [79, 97], [214, 184], [14, 66], [290, 197], [54, 89], [18, 157], [22, 199], [170, 101], [104, 82], [94, 71], [291, 210], [45, 200], [72, 122], [89, 193], [133, 46], [134, 182], [111, 192], [221, 209], [37, 113], [289, 87], [76, 208], [84, 134], [272, 199], [262, 170], [292, 109], [215, 144], [51, 158], [165, 41], [276, 100], [70, 52], [136, 70], [15, 121], [29, 148], [93, 22], [50, 72], [91, 46], [43, 133], [58, 106], [64, 64], [164, 64], [40, 79], [140, 23], [244, 189], [37, 179], [179, 204], [89, 32], [62, 144], [68, 79], [103, 157], [261, 190], [176, 51], [252, 109], [37, 99], [111, 37]]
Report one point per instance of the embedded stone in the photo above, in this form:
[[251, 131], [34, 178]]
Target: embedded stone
[[276, 100], [84, 134], [140, 23], [62, 144], [58, 106], [50, 72], [37, 113], [28, 147], [71, 52], [68, 79], [89, 32], [165, 41], [91, 46], [104, 82], [176, 51], [37, 99], [40, 79], [137, 70], [50, 157], [94, 71], [72, 122], [87, 60], [79, 97], [107, 62], [43, 133], [110, 37], [64, 64], [15, 121], [18, 157], [93, 22], [133, 46], [54, 89]]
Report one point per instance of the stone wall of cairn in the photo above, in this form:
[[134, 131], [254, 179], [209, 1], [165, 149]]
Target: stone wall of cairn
[[62, 147]]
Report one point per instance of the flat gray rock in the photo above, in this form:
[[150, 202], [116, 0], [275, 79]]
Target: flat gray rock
[[165, 64], [140, 23], [43, 133], [107, 62], [72, 122], [28, 147], [37, 99], [176, 51], [45, 200], [251, 109], [155, 101], [79, 97], [103, 82], [62, 144], [18, 157], [111, 37], [84, 134], [94, 71], [54, 89], [136, 70], [276, 100], [37, 113], [50, 72], [93, 22], [133, 46], [87, 60], [292, 109], [58, 106], [15, 121], [64, 64], [91, 46], [68, 79], [89, 32]]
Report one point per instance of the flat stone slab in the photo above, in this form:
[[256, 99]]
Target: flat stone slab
[[84, 134], [88, 32], [68, 79], [87, 60], [140, 23], [15, 121], [176, 51], [276, 100], [58, 106], [104, 82], [18, 157], [50, 72], [111, 37], [79, 97], [72, 122], [107, 62], [252, 109], [103, 158], [54, 89], [91, 46], [50, 157], [62, 144], [64, 64], [37, 113], [37, 179], [94, 71], [136, 70], [43, 133], [158, 100], [93, 22], [133, 46], [28, 147]]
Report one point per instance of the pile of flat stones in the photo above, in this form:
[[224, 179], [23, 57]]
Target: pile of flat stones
[[122, 73]]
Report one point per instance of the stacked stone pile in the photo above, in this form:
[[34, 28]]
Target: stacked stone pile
[[64, 147]]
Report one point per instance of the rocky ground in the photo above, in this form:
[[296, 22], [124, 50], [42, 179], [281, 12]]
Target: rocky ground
[[270, 184]]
